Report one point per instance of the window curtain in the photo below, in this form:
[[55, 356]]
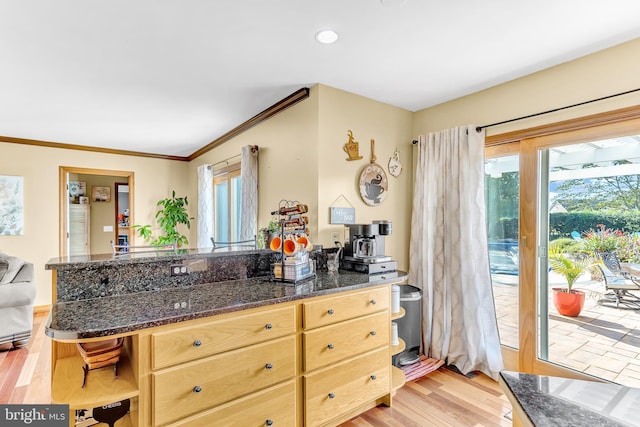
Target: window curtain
[[249, 197], [448, 252], [205, 205]]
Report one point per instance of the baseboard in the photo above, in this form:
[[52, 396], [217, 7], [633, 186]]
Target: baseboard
[[42, 308]]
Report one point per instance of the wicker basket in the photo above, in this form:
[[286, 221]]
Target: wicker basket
[[99, 354]]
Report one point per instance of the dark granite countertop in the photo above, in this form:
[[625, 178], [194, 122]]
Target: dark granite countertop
[[105, 316], [563, 402], [93, 260]]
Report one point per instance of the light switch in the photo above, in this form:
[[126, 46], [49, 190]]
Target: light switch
[[107, 228]]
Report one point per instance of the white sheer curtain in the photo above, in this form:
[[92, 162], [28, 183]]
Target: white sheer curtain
[[448, 251], [205, 205], [249, 198]]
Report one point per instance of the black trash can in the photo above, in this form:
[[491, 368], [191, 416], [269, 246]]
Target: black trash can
[[409, 326]]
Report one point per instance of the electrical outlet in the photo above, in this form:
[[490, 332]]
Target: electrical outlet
[[335, 237], [181, 304], [178, 269]]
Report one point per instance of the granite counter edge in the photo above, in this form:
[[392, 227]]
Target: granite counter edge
[[72, 336]]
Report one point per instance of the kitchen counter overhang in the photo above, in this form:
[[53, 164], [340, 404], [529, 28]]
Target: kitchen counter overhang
[[122, 314]]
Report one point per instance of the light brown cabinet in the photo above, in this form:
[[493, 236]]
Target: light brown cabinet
[[315, 361], [193, 387], [183, 343], [334, 343], [346, 355]]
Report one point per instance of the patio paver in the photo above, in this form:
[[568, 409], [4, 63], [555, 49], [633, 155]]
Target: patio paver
[[603, 341]]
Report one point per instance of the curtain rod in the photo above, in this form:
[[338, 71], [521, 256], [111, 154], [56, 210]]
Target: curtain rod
[[479, 128], [254, 148]]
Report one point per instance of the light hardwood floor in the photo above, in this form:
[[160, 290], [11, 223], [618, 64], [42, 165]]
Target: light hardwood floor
[[442, 398], [25, 374]]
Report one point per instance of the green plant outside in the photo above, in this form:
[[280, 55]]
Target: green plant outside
[[601, 239], [562, 224], [571, 267]]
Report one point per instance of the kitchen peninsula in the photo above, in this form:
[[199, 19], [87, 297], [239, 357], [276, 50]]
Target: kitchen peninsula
[[209, 335]]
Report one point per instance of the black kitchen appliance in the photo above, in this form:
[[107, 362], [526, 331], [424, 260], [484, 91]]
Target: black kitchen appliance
[[364, 249]]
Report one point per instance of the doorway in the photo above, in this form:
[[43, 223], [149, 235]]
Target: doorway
[[89, 203]]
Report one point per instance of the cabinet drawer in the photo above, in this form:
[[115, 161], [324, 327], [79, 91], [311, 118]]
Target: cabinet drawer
[[189, 343], [382, 276], [383, 267], [332, 392], [195, 386], [275, 404], [349, 338], [331, 310]]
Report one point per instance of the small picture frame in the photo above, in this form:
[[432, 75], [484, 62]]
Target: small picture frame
[[100, 194], [84, 200]]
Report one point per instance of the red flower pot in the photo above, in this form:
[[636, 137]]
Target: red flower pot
[[568, 303]]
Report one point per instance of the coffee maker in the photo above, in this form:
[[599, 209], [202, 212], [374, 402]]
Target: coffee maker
[[364, 248]]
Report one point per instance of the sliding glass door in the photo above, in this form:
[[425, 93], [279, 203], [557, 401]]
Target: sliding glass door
[[568, 195], [591, 194], [502, 195]]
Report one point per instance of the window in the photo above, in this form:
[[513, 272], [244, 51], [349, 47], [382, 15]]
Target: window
[[227, 189]]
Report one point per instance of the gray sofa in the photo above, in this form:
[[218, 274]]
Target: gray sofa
[[17, 294]]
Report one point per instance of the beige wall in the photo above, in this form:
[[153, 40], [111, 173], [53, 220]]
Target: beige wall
[[102, 213], [301, 158], [604, 73], [390, 127], [287, 160], [154, 179]]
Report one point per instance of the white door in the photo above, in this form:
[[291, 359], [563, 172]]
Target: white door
[[79, 216]]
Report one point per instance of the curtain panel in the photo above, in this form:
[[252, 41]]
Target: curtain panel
[[205, 206], [249, 197], [448, 251]]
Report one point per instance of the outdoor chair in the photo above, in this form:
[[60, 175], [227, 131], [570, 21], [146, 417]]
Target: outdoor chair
[[618, 283]]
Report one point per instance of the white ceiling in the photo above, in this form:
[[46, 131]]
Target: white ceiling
[[170, 76]]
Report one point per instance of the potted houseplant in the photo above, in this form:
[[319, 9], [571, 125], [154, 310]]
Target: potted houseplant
[[569, 301], [265, 234], [172, 213]]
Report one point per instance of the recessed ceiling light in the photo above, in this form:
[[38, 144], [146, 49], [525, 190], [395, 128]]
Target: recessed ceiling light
[[326, 36]]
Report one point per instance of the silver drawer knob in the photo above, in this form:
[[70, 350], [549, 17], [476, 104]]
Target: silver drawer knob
[[330, 311], [330, 346], [373, 377], [268, 366], [268, 326], [373, 302], [331, 395], [372, 333], [197, 343], [197, 389], [268, 423]]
